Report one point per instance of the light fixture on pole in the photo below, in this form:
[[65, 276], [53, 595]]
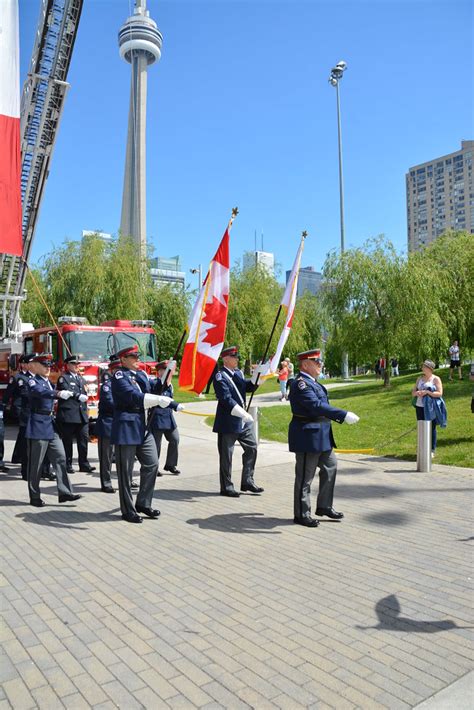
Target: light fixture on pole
[[335, 77], [199, 272]]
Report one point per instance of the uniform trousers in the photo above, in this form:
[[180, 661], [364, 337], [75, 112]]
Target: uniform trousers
[[124, 460], [172, 437], [225, 446], [81, 433], [306, 465], [106, 451], [20, 446], [37, 450]]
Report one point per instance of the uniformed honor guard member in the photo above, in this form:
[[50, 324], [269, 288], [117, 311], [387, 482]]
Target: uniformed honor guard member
[[72, 416], [41, 436], [16, 393], [163, 422], [103, 427], [131, 438], [310, 437], [233, 423]]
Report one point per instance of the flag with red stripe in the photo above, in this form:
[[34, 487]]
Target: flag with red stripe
[[207, 323], [10, 160]]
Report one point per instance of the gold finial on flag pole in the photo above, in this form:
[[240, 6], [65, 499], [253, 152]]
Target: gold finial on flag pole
[[235, 212], [304, 234]]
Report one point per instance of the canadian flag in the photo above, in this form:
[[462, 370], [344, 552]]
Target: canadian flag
[[207, 324], [10, 160]]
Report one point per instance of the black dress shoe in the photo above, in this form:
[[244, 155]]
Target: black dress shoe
[[251, 488], [134, 485], [230, 494], [37, 502], [172, 469], [48, 476], [150, 512], [307, 522], [70, 470], [4, 469], [159, 474], [108, 490], [132, 518], [329, 513], [87, 469], [69, 497]]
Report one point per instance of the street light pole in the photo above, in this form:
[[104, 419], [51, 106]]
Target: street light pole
[[334, 79], [199, 272]]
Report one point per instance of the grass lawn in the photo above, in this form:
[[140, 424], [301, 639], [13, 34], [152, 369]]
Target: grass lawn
[[387, 414]]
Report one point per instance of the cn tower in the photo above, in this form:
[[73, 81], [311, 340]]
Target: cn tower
[[140, 45]]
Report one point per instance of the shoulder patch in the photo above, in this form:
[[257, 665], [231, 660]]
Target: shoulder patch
[[106, 388], [302, 385], [12, 379], [32, 382], [20, 383], [118, 375], [61, 380], [219, 376]]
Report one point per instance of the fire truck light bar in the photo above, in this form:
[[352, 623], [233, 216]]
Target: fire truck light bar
[[72, 319], [143, 323]]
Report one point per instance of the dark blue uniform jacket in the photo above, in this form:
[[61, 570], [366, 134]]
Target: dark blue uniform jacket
[[310, 428], [103, 427], [163, 419], [227, 397], [40, 422], [128, 424], [15, 392], [72, 411]]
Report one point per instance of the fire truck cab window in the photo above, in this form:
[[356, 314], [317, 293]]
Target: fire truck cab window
[[92, 345], [28, 346]]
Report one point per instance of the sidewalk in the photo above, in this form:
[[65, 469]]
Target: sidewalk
[[225, 603]]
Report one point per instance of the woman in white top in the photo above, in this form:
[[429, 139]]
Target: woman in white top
[[428, 385]]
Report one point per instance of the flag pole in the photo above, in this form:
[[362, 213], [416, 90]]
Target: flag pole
[[303, 237]]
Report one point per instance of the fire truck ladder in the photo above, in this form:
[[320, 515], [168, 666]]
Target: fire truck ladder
[[42, 103]]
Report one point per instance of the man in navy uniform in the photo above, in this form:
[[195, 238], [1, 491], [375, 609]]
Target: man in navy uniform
[[310, 437], [103, 427], [233, 423], [163, 421], [72, 416], [41, 435], [16, 393], [131, 437]]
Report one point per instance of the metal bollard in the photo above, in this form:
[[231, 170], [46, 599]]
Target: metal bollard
[[423, 448], [255, 413]]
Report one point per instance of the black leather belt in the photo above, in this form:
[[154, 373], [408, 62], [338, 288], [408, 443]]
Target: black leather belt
[[311, 420], [41, 411]]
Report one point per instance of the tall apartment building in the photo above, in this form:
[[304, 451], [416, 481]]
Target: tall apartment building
[[440, 196], [265, 258], [308, 280], [167, 270]]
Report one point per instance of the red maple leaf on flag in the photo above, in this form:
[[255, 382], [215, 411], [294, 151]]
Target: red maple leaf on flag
[[216, 314]]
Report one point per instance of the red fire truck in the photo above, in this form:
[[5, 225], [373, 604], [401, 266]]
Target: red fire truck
[[93, 343]]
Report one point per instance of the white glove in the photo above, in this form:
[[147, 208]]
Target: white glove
[[65, 394], [260, 369], [180, 407], [240, 412], [351, 418], [82, 398], [155, 400]]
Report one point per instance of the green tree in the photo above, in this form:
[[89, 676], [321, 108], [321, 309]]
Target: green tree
[[168, 306], [379, 302]]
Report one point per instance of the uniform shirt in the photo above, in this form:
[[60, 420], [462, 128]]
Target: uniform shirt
[[40, 421], [72, 411], [103, 427], [128, 424], [310, 429], [230, 387], [17, 385], [162, 418]]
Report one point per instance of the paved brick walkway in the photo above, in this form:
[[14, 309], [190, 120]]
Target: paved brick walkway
[[224, 603]]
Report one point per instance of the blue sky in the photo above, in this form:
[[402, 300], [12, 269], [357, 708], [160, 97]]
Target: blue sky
[[240, 113]]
